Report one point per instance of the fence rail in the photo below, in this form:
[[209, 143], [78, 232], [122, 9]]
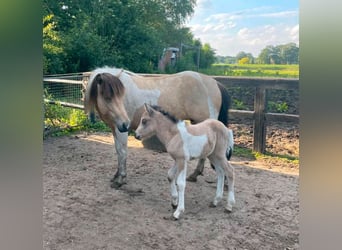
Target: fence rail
[[259, 115]]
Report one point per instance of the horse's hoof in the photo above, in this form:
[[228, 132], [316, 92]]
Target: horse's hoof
[[174, 207], [192, 178], [115, 185]]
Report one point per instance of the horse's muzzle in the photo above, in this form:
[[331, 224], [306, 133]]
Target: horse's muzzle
[[138, 137]]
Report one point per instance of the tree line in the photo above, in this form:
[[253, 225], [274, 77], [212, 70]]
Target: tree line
[[280, 54], [80, 35]]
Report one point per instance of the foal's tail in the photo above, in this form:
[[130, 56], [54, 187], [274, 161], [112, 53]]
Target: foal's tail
[[225, 104]]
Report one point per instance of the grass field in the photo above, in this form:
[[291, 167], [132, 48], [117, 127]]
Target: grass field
[[257, 70]]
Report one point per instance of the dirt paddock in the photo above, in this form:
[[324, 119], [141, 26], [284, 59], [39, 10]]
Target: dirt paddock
[[81, 211]]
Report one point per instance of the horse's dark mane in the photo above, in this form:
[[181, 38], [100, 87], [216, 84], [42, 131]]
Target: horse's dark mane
[[111, 86], [168, 115]]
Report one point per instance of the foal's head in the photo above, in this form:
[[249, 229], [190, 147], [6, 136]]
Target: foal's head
[[108, 92], [152, 119]]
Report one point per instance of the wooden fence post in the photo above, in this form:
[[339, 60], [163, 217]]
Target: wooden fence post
[[259, 130]]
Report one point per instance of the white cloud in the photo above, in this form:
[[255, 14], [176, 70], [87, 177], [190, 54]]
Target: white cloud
[[248, 30], [249, 40], [281, 14], [204, 4]]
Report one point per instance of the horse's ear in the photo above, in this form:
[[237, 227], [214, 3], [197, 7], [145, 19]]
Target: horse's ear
[[149, 109], [98, 79]]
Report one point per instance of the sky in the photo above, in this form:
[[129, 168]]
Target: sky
[[245, 25]]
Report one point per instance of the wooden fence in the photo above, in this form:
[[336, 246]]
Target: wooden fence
[[259, 115]]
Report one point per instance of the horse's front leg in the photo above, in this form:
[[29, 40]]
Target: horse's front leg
[[181, 183], [198, 171], [120, 141]]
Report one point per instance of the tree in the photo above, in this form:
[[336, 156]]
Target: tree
[[121, 33], [281, 54], [240, 55], [289, 53], [53, 52], [244, 60], [207, 56]]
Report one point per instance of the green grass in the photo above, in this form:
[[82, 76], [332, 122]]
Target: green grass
[[59, 120], [253, 70], [252, 155]]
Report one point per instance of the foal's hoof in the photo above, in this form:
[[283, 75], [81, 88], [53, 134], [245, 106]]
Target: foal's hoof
[[172, 218], [228, 209], [174, 207], [211, 204]]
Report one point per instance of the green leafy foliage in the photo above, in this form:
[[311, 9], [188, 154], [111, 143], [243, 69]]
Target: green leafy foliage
[[122, 33], [237, 104], [59, 120], [278, 107]]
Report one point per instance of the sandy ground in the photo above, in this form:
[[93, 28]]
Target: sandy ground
[[81, 211]]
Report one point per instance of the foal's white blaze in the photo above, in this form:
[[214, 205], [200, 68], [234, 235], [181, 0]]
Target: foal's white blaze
[[192, 144]]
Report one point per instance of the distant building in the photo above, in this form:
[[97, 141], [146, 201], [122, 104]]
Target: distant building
[[169, 56]]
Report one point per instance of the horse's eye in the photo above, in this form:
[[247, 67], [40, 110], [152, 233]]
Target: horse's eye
[[143, 121]]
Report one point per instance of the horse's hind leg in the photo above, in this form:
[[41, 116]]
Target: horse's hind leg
[[198, 171], [120, 141]]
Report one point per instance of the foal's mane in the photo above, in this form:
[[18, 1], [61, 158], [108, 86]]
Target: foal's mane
[[166, 114], [111, 86]]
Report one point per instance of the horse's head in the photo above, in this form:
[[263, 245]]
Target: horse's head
[[107, 92]]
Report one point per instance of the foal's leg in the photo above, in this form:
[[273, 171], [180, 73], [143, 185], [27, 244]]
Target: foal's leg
[[181, 182], [172, 179], [120, 141], [220, 180], [229, 172], [198, 171]]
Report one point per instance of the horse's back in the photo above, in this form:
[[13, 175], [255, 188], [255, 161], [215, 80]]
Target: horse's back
[[190, 95], [213, 128]]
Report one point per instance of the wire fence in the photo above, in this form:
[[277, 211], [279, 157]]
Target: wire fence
[[67, 89]]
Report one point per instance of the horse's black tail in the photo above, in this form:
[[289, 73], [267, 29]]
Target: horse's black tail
[[225, 104], [230, 148], [223, 117]]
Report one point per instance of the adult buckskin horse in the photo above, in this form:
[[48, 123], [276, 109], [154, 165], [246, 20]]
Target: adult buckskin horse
[[119, 96]]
